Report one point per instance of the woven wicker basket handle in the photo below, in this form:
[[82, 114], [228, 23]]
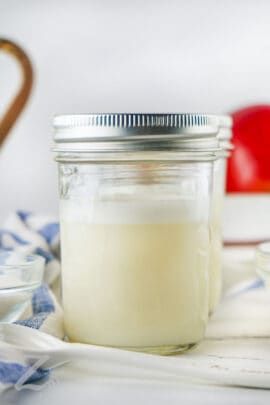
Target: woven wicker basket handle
[[18, 103]]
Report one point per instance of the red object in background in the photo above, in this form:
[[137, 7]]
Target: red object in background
[[249, 164]]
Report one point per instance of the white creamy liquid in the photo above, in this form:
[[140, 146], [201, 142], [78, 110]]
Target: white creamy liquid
[[131, 283], [215, 264]]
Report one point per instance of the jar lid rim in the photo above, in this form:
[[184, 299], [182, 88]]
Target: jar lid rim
[[143, 121]]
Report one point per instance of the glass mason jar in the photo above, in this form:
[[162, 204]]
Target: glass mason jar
[[219, 182], [135, 193]]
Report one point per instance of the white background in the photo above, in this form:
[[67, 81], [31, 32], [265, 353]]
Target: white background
[[140, 55]]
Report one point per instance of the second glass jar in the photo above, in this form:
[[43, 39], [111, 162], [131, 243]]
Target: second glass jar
[[216, 217]]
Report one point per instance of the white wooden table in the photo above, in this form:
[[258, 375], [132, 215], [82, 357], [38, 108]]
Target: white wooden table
[[71, 385]]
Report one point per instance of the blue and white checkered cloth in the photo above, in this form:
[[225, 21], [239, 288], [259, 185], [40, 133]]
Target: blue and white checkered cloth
[[28, 233]]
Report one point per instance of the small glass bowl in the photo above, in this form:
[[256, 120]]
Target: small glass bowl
[[263, 261], [20, 275]]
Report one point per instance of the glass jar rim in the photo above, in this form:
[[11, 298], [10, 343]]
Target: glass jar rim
[[263, 251], [19, 260], [138, 156], [262, 258]]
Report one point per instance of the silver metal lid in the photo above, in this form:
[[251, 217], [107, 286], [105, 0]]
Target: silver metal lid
[[135, 132], [90, 127]]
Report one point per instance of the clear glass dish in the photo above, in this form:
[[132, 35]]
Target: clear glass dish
[[263, 262], [20, 276]]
